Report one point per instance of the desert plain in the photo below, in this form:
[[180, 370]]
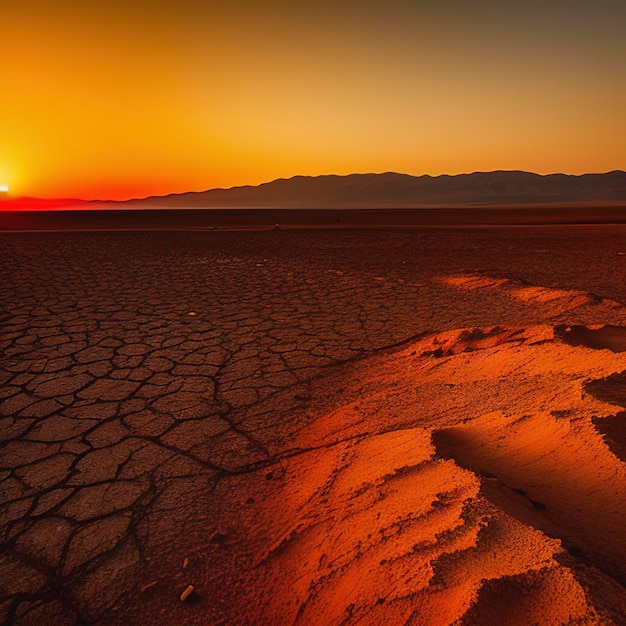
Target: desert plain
[[314, 426]]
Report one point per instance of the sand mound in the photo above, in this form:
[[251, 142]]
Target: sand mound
[[472, 282], [459, 479], [537, 468], [553, 302], [543, 294], [549, 596]]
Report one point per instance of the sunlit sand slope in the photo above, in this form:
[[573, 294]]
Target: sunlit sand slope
[[460, 479]]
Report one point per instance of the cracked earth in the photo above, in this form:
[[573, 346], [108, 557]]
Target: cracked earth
[[313, 427]]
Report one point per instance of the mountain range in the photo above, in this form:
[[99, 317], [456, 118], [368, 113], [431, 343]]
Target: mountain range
[[402, 190], [376, 191]]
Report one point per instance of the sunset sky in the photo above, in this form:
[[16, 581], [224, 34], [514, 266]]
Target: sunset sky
[[128, 98]]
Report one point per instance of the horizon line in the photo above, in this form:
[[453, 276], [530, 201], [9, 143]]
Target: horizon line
[[9, 198]]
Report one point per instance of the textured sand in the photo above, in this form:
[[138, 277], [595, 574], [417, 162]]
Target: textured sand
[[314, 428]]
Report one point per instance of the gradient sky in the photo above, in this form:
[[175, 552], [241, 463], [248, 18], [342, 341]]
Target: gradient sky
[[129, 98]]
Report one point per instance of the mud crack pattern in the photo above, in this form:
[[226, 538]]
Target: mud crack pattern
[[147, 375]]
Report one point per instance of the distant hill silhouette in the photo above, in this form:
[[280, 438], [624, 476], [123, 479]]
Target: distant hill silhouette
[[402, 190]]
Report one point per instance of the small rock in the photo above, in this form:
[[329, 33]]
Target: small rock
[[185, 595]]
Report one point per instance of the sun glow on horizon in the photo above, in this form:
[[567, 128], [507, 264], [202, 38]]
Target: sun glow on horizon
[[4, 189]]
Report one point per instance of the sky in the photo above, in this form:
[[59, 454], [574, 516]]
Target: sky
[[130, 98]]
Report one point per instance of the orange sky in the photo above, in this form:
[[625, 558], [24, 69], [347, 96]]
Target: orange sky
[[133, 98]]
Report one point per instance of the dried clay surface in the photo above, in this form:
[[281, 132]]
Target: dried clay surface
[[314, 427]]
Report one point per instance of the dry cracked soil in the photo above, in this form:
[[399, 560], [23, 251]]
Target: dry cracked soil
[[314, 427]]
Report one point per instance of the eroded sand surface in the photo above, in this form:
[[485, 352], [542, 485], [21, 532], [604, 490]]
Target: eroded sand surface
[[315, 428]]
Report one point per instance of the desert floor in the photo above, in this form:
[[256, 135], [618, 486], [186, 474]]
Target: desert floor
[[315, 427]]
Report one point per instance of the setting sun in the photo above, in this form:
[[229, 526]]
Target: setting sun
[[4, 189], [203, 97]]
